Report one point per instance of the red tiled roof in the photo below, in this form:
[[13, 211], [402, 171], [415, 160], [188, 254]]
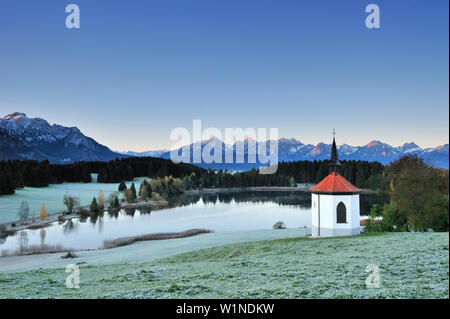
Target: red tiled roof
[[334, 183]]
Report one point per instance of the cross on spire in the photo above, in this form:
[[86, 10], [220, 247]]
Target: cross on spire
[[334, 133]]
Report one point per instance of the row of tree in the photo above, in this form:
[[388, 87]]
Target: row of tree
[[17, 174], [24, 212], [362, 174], [130, 168]]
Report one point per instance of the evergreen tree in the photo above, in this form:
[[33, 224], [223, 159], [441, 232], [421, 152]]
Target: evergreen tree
[[94, 206], [116, 202], [133, 189], [122, 186]]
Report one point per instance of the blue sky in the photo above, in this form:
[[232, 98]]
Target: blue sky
[[137, 69]]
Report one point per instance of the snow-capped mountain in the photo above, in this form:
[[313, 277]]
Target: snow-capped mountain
[[294, 150], [347, 149], [155, 153], [22, 137], [409, 148]]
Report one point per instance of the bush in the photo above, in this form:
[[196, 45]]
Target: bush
[[69, 255], [376, 226], [394, 219], [83, 212], [155, 195], [439, 220], [376, 211], [2, 230]]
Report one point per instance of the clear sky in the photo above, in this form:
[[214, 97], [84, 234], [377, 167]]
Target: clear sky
[[137, 69]]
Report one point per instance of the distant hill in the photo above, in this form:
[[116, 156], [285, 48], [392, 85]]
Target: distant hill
[[22, 138], [156, 153]]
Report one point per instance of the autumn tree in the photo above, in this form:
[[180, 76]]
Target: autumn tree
[[101, 201], [43, 212], [130, 197]]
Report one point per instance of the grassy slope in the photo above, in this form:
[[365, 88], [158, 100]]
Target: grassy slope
[[412, 265]]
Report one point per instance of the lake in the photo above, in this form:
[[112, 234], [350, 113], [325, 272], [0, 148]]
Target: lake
[[52, 196], [243, 211], [217, 212]]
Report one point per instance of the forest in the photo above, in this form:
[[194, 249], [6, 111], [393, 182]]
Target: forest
[[419, 199], [18, 174]]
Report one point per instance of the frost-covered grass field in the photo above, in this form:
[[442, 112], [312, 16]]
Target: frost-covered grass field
[[412, 265]]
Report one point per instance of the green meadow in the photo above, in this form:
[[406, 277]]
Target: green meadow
[[411, 265]]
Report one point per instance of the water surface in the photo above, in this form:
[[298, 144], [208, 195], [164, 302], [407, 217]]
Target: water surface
[[240, 211], [217, 212]]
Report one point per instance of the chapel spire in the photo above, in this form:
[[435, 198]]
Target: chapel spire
[[334, 160]]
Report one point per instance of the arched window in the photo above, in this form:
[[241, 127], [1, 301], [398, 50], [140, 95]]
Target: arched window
[[341, 213]]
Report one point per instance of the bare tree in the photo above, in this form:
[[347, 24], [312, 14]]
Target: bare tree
[[24, 211], [71, 203]]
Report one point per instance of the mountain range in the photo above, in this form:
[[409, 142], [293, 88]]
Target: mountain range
[[34, 138], [294, 150], [22, 138]]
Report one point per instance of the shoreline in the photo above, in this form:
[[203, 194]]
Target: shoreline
[[156, 204], [144, 251], [107, 244]]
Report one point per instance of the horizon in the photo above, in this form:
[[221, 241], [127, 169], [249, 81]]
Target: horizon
[[132, 73], [240, 150], [204, 140]]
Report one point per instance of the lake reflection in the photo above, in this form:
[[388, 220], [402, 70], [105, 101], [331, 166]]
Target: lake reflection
[[217, 212]]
